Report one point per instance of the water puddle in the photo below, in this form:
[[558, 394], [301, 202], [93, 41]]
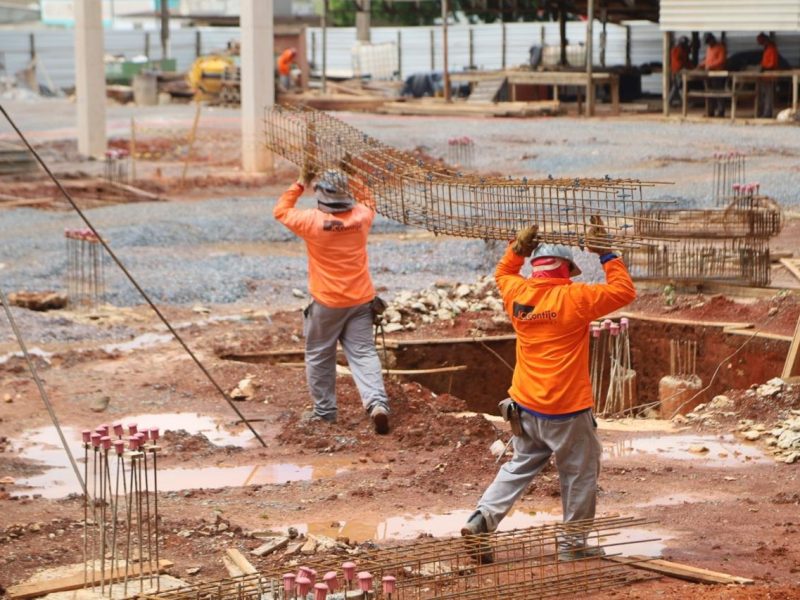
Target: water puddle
[[140, 342], [676, 499], [409, 527], [722, 450], [43, 446]]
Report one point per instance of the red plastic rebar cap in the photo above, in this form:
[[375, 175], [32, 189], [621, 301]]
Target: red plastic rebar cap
[[389, 584], [303, 585], [106, 441], [86, 435], [119, 429], [96, 439], [320, 591], [132, 428], [331, 580], [365, 581], [119, 446], [288, 582], [154, 435], [349, 569]]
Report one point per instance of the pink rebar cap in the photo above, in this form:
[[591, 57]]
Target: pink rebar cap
[[133, 428], [288, 582], [607, 324], [154, 435], [614, 329], [119, 430], [320, 591], [349, 569], [105, 429], [119, 446], [365, 581], [312, 575], [96, 439], [134, 442], [86, 434], [303, 585], [106, 442], [142, 435], [596, 332], [389, 584], [331, 581]]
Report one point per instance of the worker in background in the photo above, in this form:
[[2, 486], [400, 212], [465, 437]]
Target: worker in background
[[285, 62], [335, 234], [550, 405], [766, 86], [715, 60], [678, 61]]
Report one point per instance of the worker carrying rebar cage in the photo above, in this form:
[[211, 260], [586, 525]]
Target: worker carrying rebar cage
[[344, 301], [550, 404]]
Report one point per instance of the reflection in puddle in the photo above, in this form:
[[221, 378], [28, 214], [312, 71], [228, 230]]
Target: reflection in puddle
[[721, 450], [409, 527], [675, 499], [43, 446]]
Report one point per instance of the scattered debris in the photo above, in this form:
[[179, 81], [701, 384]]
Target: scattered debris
[[39, 301]]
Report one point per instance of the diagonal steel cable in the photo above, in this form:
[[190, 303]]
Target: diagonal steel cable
[[127, 273], [42, 391]]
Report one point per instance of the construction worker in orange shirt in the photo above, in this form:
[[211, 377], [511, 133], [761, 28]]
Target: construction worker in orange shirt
[[550, 404], [335, 234], [678, 61], [715, 59], [766, 87], [285, 61]]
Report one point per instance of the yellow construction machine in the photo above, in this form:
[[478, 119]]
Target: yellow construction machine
[[215, 78]]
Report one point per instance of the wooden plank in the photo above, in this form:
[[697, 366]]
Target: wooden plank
[[271, 546], [792, 264], [342, 370], [240, 561], [676, 321], [140, 193], [396, 344], [488, 109], [231, 567], [75, 582], [791, 368], [679, 571]]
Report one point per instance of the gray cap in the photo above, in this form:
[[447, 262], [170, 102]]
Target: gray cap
[[557, 251], [331, 192]]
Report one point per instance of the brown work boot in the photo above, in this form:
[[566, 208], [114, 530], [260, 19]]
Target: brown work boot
[[380, 419], [476, 531]]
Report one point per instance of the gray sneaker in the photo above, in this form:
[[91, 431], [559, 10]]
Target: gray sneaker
[[380, 419], [580, 553], [309, 417]]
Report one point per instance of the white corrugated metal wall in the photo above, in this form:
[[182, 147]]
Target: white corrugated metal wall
[[55, 48], [729, 15]]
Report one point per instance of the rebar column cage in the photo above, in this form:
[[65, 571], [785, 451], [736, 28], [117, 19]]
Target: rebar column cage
[[526, 564], [444, 201], [737, 260]]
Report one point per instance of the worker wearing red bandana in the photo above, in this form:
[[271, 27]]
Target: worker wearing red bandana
[[551, 390]]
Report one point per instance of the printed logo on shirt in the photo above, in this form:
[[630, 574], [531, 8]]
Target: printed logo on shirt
[[334, 225], [525, 312]]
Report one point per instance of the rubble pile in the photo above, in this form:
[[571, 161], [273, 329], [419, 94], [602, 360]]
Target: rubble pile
[[443, 301], [781, 437]]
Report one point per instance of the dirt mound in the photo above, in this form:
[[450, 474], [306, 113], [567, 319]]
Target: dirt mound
[[180, 442]]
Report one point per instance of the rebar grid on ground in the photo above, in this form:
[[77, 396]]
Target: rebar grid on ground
[[525, 563], [742, 260], [445, 201]]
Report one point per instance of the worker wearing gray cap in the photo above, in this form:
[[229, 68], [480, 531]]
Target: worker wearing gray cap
[[550, 404]]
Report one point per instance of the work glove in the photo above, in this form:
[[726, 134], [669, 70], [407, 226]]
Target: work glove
[[307, 174], [597, 240], [526, 242]]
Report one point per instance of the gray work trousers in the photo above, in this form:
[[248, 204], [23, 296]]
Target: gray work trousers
[[323, 327], [577, 449]]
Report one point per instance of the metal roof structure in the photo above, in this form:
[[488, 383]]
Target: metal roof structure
[[729, 15]]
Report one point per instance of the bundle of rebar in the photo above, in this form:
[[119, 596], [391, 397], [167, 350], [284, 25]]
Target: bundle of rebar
[[121, 525], [729, 170], [86, 286], [614, 390], [116, 167], [445, 201], [461, 151], [526, 563], [683, 358]]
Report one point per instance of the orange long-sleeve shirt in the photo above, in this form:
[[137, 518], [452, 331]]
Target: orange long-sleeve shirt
[[338, 265], [769, 59], [551, 318], [716, 58], [679, 58], [285, 62]]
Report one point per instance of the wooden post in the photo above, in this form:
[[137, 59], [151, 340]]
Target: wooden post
[[590, 58], [314, 47], [503, 31], [471, 48], [164, 29], [792, 367], [324, 46], [628, 46], [198, 43], [446, 82], [400, 54], [34, 80], [433, 52], [604, 20], [665, 74], [562, 31]]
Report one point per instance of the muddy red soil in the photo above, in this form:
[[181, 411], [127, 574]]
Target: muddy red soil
[[733, 509]]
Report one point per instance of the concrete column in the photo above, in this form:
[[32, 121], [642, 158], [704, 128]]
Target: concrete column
[[258, 81], [90, 78], [590, 58], [363, 21]]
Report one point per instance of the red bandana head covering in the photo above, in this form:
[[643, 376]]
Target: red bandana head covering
[[550, 267]]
